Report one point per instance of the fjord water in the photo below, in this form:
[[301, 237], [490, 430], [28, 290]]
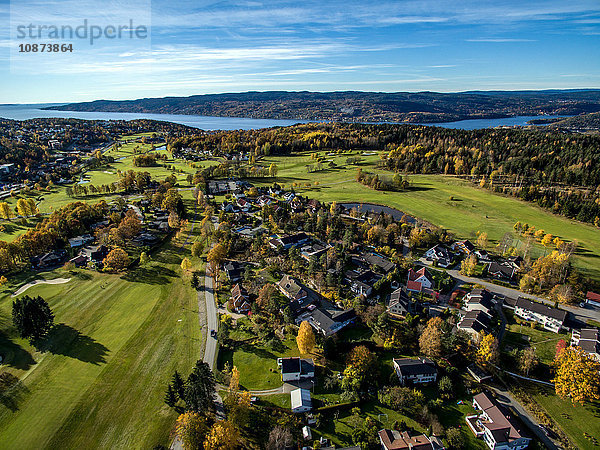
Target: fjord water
[[24, 112]]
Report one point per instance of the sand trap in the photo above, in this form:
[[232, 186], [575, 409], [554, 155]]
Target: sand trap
[[36, 282]]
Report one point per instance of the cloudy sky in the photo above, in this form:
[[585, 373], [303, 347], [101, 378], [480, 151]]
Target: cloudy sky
[[196, 47]]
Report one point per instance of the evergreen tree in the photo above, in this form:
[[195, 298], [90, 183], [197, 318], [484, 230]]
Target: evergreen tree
[[170, 396], [178, 385], [32, 317], [199, 388]]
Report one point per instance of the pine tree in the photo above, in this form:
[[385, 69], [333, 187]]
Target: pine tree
[[178, 385], [170, 396]]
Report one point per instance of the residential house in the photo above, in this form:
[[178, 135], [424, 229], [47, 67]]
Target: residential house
[[234, 270], [287, 242], [292, 289], [49, 260], [301, 401], [415, 370], [439, 254], [483, 256], [95, 253], [475, 322], [378, 261], [402, 440], [314, 249], [80, 241], [592, 298], [479, 300], [362, 281], [589, 340], [399, 303], [505, 270], [240, 301], [328, 319], [295, 369], [495, 426], [419, 281], [552, 319], [465, 247]]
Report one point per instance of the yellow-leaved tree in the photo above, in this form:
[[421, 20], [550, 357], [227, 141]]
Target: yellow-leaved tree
[[222, 436], [577, 375], [186, 264], [306, 338], [191, 429], [487, 353], [430, 340]]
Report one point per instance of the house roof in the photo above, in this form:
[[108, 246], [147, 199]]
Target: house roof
[[399, 298], [400, 440], [292, 288], [377, 260], [326, 319], [542, 309], [419, 366], [480, 296], [592, 296], [300, 398], [501, 425], [290, 365], [414, 275]]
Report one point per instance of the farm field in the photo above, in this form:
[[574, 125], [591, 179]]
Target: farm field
[[100, 381], [429, 198]]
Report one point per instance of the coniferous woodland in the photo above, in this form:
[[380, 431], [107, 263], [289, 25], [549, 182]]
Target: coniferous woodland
[[559, 171]]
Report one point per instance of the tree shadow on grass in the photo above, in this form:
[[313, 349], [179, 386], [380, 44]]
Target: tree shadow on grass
[[14, 355], [149, 275], [67, 341], [12, 391]]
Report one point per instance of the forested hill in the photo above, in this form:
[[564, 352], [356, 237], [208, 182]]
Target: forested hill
[[583, 122], [426, 107]]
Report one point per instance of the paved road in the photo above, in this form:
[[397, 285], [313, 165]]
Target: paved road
[[207, 295], [212, 321], [505, 397]]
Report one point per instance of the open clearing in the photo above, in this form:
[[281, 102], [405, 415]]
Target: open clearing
[[101, 381]]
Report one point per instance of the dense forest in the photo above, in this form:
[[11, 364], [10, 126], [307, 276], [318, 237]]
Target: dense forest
[[354, 106], [559, 171]]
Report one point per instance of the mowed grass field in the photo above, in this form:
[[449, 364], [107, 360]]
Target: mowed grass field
[[101, 380], [472, 209]]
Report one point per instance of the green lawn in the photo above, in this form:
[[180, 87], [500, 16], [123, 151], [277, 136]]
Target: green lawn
[[101, 383], [473, 209], [577, 421], [339, 430], [257, 364], [523, 336]]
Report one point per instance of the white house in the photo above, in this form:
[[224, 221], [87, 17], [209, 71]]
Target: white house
[[479, 300], [419, 280], [497, 428], [552, 319], [301, 401], [439, 254], [294, 369], [589, 340], [415, 370]]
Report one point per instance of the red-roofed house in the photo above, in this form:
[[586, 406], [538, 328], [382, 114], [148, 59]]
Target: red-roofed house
[[592, 298], [419, 280]]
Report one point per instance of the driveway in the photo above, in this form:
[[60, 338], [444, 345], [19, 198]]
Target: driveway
[[504, 397]]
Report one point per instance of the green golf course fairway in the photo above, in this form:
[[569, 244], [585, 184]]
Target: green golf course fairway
[[116, 343]]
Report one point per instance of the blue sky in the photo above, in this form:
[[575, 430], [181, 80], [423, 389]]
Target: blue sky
[[198, 47]]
